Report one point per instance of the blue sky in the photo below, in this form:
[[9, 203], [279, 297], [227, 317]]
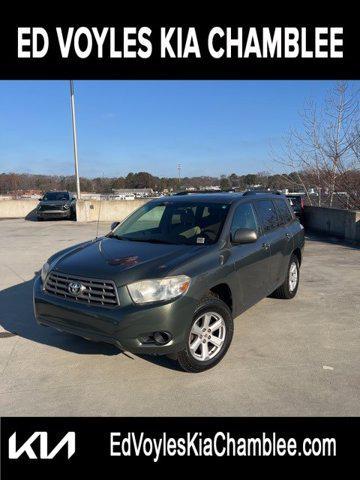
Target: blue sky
[[210, 127]]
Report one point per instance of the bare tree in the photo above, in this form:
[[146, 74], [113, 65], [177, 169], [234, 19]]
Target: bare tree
[[326, 149]]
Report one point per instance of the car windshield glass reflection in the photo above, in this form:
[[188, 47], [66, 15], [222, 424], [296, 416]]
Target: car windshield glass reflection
[[172, 222], [56, 196]]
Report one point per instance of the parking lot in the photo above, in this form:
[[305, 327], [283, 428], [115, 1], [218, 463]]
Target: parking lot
[[299, 357]]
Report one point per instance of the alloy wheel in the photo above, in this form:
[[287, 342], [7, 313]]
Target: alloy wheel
[[207, 336], [293, 276]]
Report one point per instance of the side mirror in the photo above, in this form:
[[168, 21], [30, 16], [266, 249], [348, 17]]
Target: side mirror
[[40, 199], [114, 225], [244, 235]]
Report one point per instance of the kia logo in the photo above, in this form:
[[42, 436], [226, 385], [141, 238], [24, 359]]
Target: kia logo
[[15, 452], [75, 288]]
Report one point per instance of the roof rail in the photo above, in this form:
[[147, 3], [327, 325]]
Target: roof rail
[[255, 192], [189, 192]]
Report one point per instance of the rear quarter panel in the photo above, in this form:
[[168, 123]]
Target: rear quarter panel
[[298, 234]]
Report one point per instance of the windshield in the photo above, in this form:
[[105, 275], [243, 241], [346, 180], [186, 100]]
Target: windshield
[[174, 222], [53, 196]]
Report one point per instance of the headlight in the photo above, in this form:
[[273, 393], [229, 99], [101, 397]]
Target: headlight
[[44, 271], [159, 290], [66, 206]]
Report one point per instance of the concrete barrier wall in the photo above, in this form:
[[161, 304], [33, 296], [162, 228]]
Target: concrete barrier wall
[[329, 221], [17, 208], [106, 210], [334, 221]]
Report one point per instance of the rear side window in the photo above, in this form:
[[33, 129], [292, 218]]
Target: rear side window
[[267, 214], [284, 211], [244, 217]]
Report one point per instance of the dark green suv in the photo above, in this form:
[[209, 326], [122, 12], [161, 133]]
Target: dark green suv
[[172, 276]]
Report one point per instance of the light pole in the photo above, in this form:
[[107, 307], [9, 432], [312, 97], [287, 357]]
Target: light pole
[[179, 171], [72, 101]]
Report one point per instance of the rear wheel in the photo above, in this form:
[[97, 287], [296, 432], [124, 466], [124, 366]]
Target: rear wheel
[[208, 337], [290, 286]]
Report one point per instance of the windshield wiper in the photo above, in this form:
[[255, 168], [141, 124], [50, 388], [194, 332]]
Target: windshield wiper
[[150, 240], [118, 237]]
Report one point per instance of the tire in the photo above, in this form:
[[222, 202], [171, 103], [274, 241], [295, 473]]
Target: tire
[[217, 312], [288, 289], [39, 219]]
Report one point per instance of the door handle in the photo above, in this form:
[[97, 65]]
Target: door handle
[[266, 246], [287, 236]]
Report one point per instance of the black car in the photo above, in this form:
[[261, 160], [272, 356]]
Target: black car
[[56, 205], [172, 276], [296, 201]]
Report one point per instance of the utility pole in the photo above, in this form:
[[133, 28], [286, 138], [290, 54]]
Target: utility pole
[[179, 171], [72, 101]]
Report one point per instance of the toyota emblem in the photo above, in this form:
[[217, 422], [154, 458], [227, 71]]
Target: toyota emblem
[[75, 288]]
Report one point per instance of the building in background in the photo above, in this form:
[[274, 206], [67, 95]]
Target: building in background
[[30, 193], [211, 187], [127, 193]]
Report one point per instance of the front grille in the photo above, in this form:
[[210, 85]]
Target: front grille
[[46, 208], [94, 291]]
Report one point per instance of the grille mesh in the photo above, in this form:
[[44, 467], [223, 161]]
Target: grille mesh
[[46, 208], [95, 291]]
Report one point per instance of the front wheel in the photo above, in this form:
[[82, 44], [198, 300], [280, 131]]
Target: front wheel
[[208, 337]]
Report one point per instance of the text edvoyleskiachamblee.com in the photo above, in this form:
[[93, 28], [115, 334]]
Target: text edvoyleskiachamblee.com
[[221, 444]]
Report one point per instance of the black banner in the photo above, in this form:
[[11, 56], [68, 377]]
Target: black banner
[[43, 446], [225, 45]]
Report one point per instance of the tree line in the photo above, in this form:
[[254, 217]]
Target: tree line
[[17, 182], [12, 182], [305, 181]]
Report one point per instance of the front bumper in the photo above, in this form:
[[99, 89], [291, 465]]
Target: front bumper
[[123, 326], [54, 213]]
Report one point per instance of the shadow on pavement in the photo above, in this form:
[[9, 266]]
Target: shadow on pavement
[[162, 361], [17, 318], [31, 216]]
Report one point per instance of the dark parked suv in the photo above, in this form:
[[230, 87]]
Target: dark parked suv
[[56, 205], [296, 201], [171, 277]]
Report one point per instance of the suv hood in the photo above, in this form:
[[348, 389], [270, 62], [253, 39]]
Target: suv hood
[[123, 261]]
